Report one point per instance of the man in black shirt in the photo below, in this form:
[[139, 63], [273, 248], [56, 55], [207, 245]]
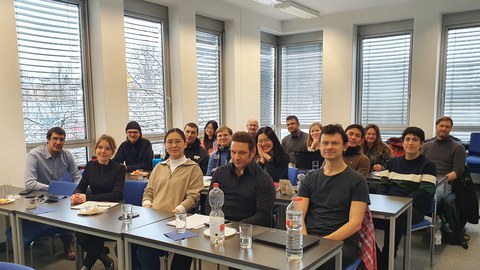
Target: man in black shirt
[[249, 190], [136, 151]]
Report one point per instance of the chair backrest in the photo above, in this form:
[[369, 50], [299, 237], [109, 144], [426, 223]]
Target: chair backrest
[[292, 175], [61, 188], [474, 148], [133, 191], [155, 161]]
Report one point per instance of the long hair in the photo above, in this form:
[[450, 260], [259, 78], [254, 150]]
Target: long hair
[[278, 151], [377, 144], [207, 142], [310, 139]]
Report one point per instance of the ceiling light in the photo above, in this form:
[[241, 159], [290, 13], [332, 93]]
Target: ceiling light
[[297, 9], [267, 2]]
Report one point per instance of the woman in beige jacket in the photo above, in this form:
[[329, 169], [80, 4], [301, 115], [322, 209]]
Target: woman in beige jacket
[[174, 185]]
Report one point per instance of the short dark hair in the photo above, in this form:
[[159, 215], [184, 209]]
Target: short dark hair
[[244, 137], [177, 130], [357, 126], [57, 130], [192, 125], [444, 118], [415, 131], [290, 117], [333, 129]]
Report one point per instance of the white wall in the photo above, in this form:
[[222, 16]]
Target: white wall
[[242, 64]]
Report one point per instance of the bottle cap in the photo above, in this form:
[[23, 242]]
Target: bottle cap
[[297, 199], [215, 185]]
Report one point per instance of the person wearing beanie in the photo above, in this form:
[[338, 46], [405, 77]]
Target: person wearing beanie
[[136, 151]]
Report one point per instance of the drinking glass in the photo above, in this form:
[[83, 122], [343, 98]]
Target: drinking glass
[[126, 213], [181, 222], [245, 235]]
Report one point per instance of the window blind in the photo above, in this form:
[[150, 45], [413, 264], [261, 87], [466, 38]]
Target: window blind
[[145, 74], [301, 82], [51, 69], [267, 84], [462, 80], [208, 46], [385, 80]]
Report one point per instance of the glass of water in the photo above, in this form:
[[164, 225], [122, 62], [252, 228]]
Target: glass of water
[[315, 165], [245, 235], [127, 213], [181, 222]]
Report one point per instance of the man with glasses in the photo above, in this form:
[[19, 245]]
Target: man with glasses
[[46, 163], [136, 151]]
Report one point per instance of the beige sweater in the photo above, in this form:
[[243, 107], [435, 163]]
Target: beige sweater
[[166, 190]]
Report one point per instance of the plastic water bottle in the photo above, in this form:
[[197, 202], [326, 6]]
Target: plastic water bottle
[[438, 230], [294, 247], [217, 218]]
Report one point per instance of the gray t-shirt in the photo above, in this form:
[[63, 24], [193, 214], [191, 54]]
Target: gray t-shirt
[[330, 199], [295, 142], [448, 155]]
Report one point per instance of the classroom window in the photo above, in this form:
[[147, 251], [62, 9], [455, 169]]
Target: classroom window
[[383, 87], [209, 39], [53, 61], [291, 79], [267, 81], [146, 40], [460, 86]]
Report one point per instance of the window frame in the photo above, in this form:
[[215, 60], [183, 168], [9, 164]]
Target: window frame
[[315, 37], [453, 21], [156, 13], [89, 142], [216, 27], [388, 29]]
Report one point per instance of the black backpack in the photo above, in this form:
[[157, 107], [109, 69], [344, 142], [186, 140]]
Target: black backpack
[[452, 227]]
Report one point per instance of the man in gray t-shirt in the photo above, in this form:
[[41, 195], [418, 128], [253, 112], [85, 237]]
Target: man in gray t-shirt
[[334, 198]]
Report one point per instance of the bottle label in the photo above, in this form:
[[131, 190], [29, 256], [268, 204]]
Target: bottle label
[[217, 226]]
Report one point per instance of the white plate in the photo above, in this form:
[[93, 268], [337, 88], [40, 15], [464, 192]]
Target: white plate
[[229, 231]]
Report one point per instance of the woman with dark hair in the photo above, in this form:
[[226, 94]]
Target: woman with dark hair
[[373, 147], [209, 138], [174, 185], [106, 179], [271, 155]]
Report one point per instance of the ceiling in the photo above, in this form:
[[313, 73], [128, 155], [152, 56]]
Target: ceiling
[[323, 6]]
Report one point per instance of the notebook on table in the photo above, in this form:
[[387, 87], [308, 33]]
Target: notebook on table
[[278, 238], [304, 159]]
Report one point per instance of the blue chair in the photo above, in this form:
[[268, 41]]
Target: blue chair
[[13, 266], [292, 175], [133, 191], [354, 265], [473, 158], [155, 161], [33, 231]]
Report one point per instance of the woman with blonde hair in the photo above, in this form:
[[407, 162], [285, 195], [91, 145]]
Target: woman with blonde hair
[[313, 141], [106, 179]]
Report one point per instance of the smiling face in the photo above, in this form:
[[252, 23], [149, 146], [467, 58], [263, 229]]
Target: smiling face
[[265, 143], [133, 135], [104, 152], [252, 127], [443, 129], [354, 137], [55, 144], [315, 132], [412, 145], [190, 134], [210, 130], [223, 138], [175, 145], [332, 147], [371, 136]]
